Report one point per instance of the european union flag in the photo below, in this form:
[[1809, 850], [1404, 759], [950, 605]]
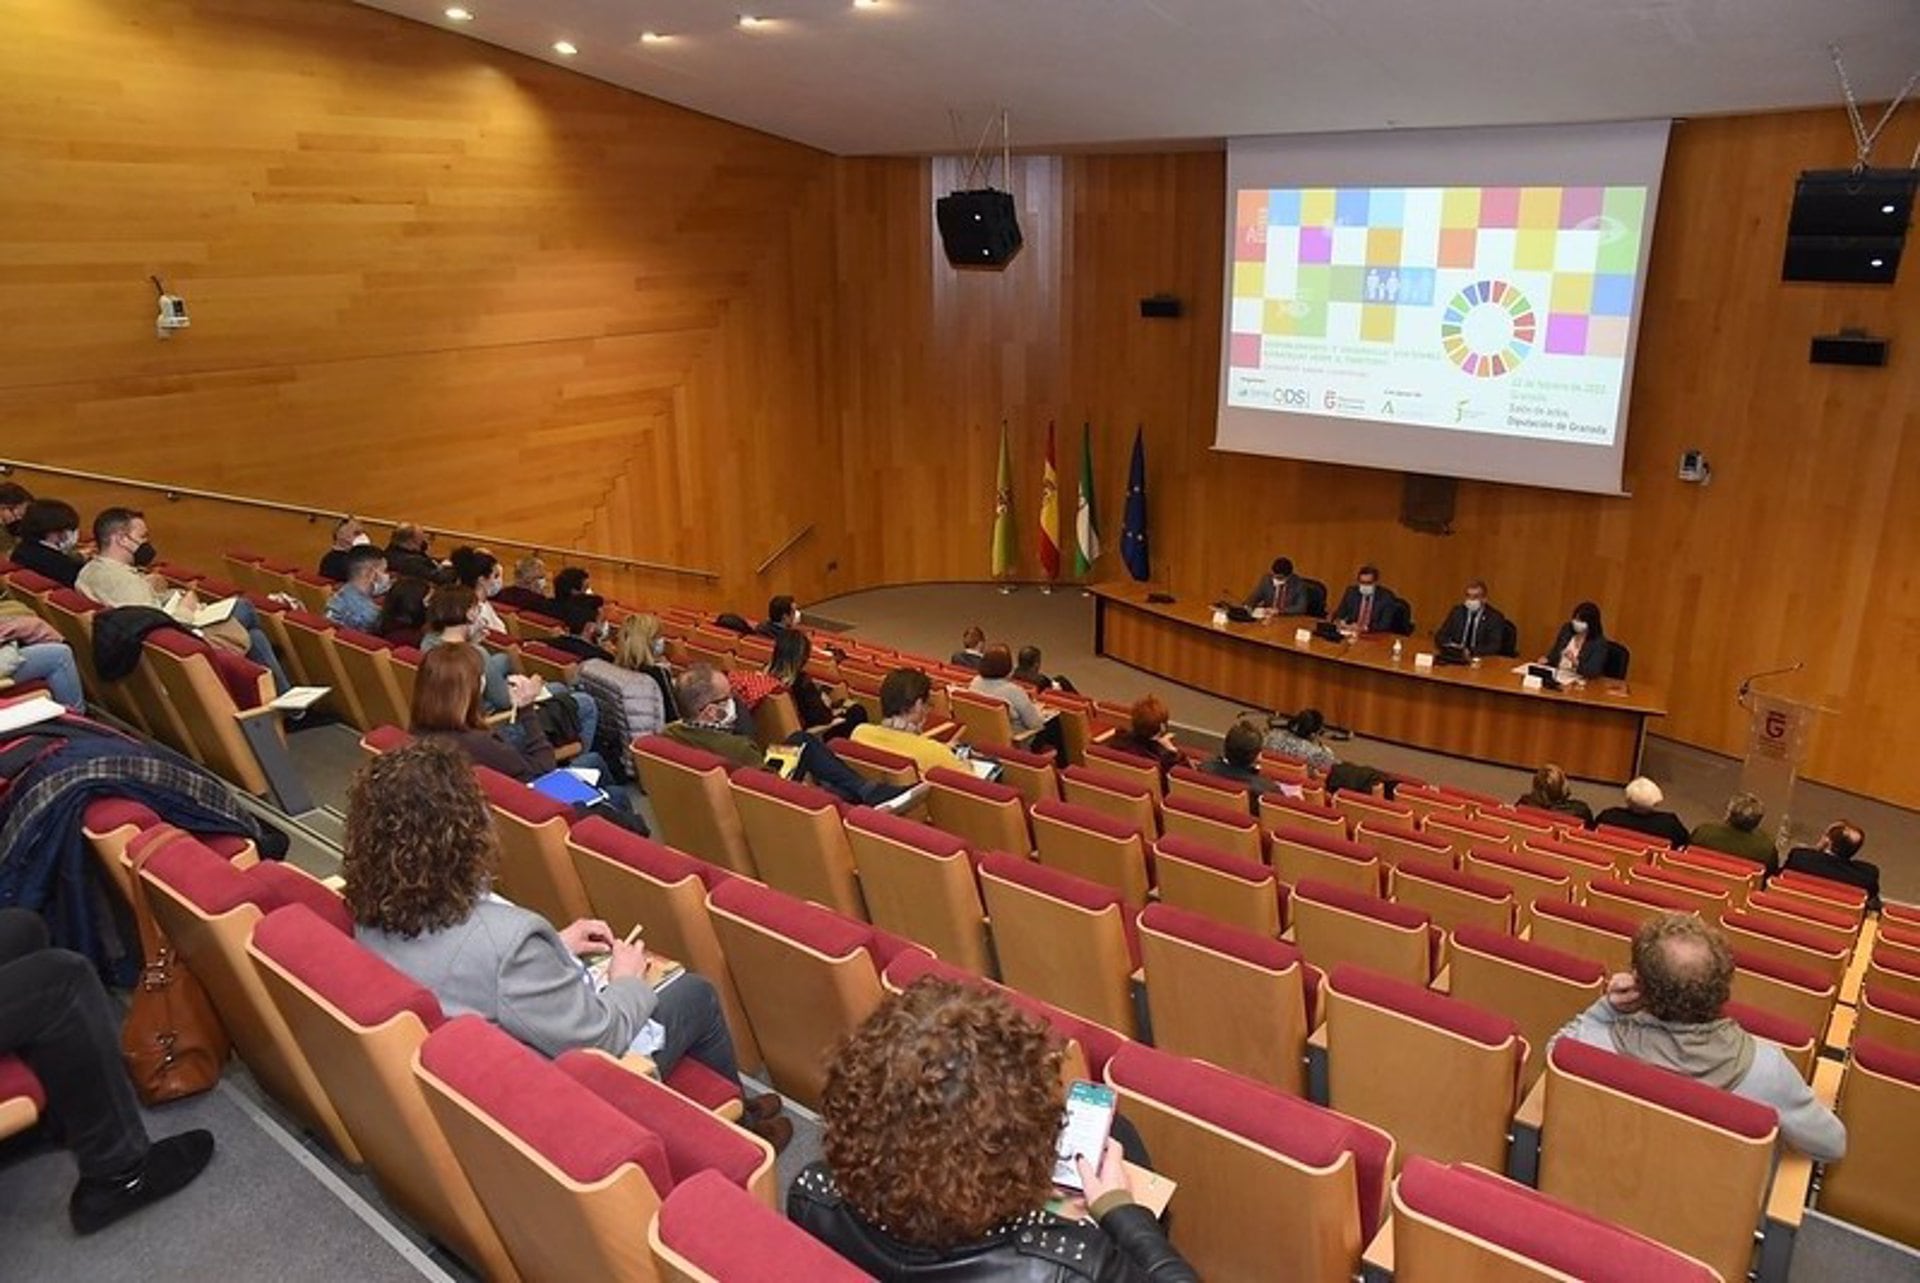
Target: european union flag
[[1133, 535]]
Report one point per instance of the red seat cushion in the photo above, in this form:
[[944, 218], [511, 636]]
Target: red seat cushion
[[1085, 817], [1231, 816], [1522, 861], [521, 801], [1235, 942], [33, 581], [215, 887], [1493, 833], [1682, 879], [1532, 1225], [1890, 1061], [366, 989], [1894, 1002], [384, 739], [1786, 972], [1898, 963], [1572, 854], [1106, 781], [307, 619], [921, 837], [103, 815], [1196, 852], [568, 1124], [1740, 920], [73, 601], [1298, 1129], [693, 1138], [408, 655], [1586, 916], [1528, 954], [684, 755], [1020, 756], [1371, 906], [1470, 883], [656, 860], [1701, 857], [819, 929], [1836, 917], [16, 1081], [768, 784], [1627, 839], [362, 641], [1226, 788], [879, 758], [1424, 1005], [1323, 842], [1765, 1024], [967, 782], [1667, 1089], [731, 1236], [1827, 888]]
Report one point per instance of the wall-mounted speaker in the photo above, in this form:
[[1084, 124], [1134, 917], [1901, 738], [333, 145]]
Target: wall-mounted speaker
[[1160, 307], [1848, 347], [1849, 225], [978, 228]]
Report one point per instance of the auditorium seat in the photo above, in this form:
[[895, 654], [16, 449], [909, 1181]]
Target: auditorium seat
[[1834, 925], [571, 1157], [1241, 893], [1892, 973], [634, 881], [1527, 875], [1898, 943], [1063, 939], [245, 567], [383, 739], [1458, 1222], [22, 1099], [1093, 845], [405, 661], [110, 824], [878, 764], [807, 976], [1300, 854], [1639, 901], [1453, 899], [548, 662], [1877, 1186], [1376, 812], [1890, 1017], [1462, 835], [71, 615], [1425, 802], [918, 883], [1198, 786], [707, 645], [211, 693], [208, 909], [1797, 1039], [1335, 924], [367, 663], [1774, 938], [359, 1023], [1583, 865], [798, 842], [1607, 1115], [1271, 1186], [1515, 827], [535, 871], [1135, 770], [1124, 798], [1226, 996], [1033, 775], [1738, 877], [985, 721], [1784, 988], [692, 801], [1229, 827], [1828, 893], [312, 638], [1702, 894], [1280, 812], [775, 718], [1538, 988], [1585, 932], [709, 1230], [1398, 845], [1075, 716], [988, 816]]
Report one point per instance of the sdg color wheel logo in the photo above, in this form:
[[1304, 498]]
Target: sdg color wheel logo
[[1488, 329]]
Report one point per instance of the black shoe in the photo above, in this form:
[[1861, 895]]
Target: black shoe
[[171, 1165], [759, 1109], [777, 1132]]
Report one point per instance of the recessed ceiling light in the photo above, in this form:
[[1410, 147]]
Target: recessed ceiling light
[[866, 4], [748, 20], [459, 15], [654, 38], [565, 48]]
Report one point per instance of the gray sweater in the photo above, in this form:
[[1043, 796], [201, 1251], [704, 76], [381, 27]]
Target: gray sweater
[[1805, 1123], [507, 964]]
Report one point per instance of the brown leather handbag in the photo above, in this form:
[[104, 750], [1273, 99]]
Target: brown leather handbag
[[174, 1044]]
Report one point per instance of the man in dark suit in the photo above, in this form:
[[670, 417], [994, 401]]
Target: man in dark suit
[[1834, 859], [1372, 607], [407, 555], [973, 645], [1474, 625], [585, 628], [1282, 591], [782, 614]]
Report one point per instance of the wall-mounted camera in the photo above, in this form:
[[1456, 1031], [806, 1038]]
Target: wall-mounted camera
[[173, 312]]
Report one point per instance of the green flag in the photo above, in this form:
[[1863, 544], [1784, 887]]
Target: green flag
[[1003, 552], [1086, 525]]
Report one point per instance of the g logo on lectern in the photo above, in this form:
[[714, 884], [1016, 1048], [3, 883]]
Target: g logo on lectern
[[1774, 727]]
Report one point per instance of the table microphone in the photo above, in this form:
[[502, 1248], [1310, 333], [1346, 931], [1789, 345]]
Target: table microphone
[[1746, 684]]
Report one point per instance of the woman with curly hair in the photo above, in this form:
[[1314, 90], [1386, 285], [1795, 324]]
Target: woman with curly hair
[[942, 1113], [420, 856]]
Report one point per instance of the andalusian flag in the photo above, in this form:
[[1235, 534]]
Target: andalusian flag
[[1050, 514], [1003, 512], [1086, 526]]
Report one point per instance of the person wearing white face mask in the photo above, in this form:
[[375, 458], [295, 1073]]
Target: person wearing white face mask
[[1474, 626], [1369, 606], [49, 537], [348, 534], [782, 614], [1580, 647], [353, 604], [634, 689], [480, 570]]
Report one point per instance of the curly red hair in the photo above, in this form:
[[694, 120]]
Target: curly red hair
[[942, 1112]]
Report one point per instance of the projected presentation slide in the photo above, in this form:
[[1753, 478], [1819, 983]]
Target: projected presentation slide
[[1493, 310]]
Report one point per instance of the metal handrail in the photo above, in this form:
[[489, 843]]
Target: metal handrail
[[175, 493], [783, 549]]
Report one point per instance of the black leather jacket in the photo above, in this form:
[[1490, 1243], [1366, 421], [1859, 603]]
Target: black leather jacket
[[1127, 1246]]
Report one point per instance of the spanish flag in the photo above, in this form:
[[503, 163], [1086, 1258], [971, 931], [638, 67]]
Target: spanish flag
[[1050, 514]]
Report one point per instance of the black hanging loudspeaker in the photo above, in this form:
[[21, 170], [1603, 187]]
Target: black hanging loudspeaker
[[1849, 225], [978, 228]]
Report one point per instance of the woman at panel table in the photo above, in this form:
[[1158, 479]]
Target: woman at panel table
[[1581, 644]]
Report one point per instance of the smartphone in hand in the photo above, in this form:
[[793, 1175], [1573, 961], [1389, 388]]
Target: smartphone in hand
[[1089, 1119]]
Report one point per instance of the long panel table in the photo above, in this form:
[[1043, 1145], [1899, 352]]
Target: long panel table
[[1481, 712]]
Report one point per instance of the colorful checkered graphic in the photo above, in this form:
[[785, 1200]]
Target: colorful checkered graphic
[[1394, 265]]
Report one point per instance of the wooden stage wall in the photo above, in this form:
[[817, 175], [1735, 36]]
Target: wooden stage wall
[[433, 279]]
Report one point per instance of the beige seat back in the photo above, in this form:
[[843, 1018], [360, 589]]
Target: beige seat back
[[1061, 939], [182, 665], [1216, 885], [1333, 925], [798, 842], [1226, 996], [693, 802], [1876, 1186], [918, 882], [1538, 988], [989, 817], [535, 870], [1092, 845]]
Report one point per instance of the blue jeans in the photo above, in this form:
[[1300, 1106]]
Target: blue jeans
[[52, 663], [259, 649]]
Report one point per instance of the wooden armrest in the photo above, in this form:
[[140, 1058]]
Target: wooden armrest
[[1840, 1027], [1376, 1263], [501, 718], [1103, 736], [1318, 1038], [1826, 1081], [1787, 1196], [250, 714], [945, 732], [1443, 983], [1026, 737], [1533, 1110]]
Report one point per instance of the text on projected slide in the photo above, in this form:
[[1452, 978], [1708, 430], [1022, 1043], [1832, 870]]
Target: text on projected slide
[[1498, 310]]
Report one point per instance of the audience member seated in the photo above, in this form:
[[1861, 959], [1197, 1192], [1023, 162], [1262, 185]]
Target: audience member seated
[[584, 620], [348, 534], [1280, 592], [420, 853], [634, 689], [906, 700], [32, 651], [56, 1017], [117, 576], [941, 1114], [452, 613], [354, 604], [1739, 834], [529, 589], [1580, 647], [409, 554], [1147, 735], [709, 712], [973, 645], [403, 612], [1551, 792], [50, 541], [1642, 813], [1369, 606], [1028, 670], [479, 570], [572, 581], [1239, 761], [1474, 626], [782, 614], [996, 682], [1299, 738], [14, 500], [1835, 857], [791, 650], [1667, 1012]]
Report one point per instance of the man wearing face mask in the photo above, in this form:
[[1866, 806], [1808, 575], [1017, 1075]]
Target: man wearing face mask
[[348, 534], [118, 576], [1474, 626], [353, 603], [408, 554], [530, 589], [1369, 606], [585, 629], [49, 538], [14, 499]]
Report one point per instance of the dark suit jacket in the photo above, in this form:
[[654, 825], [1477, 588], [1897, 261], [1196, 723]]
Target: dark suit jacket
[[1664, 825], [1488, 635], [1390, 613], [521, 598], [578, 646], [1286, 597], [1854, 872], [408, 564], [965, 659], [51, 562], [1593, 654]]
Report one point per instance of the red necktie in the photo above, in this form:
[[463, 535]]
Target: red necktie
[[1366, 613]]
